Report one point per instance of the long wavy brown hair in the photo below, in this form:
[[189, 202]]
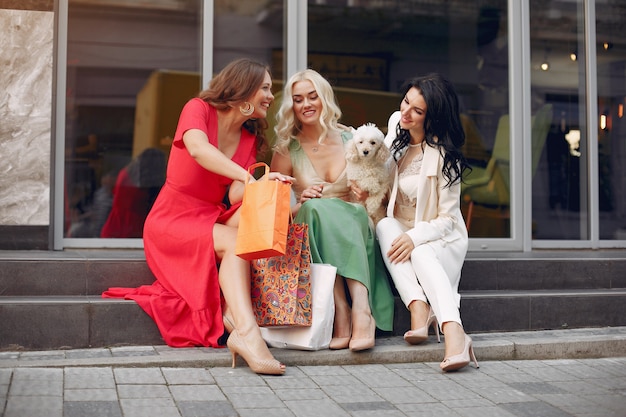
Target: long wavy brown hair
[[442, 125], [236, 83]]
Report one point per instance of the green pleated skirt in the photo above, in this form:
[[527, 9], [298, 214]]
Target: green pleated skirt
[[340, 235]]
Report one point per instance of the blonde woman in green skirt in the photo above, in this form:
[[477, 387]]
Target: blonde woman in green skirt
[[310, 147]]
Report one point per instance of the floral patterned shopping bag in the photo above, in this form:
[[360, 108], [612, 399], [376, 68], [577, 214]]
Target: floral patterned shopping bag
[[281, 286]]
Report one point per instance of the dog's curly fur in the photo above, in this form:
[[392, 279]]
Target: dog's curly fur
[[366, 156]]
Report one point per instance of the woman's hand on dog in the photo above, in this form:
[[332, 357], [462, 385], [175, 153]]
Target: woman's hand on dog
[[357, 193]]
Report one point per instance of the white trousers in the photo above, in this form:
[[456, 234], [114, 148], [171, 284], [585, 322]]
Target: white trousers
[[432, 275]]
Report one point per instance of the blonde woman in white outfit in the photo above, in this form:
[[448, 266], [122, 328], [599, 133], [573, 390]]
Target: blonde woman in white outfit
[[423, 239]]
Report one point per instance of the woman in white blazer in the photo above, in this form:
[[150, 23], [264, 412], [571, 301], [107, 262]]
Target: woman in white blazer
[[423, 239]]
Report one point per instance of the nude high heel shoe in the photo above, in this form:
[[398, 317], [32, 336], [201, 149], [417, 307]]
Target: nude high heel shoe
[[357, 345], [340, 342], [238, 346], [461, 360], [337, 343], [417, 336]]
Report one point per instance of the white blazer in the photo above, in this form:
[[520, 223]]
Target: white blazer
[[438, 208]]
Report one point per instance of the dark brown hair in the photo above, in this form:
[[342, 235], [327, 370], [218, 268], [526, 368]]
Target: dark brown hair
[[236, 83], [442, 124]]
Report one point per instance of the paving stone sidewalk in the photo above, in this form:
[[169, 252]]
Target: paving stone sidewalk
[[556, 373]]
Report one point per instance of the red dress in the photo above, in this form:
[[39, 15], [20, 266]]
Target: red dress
[[185, 299]]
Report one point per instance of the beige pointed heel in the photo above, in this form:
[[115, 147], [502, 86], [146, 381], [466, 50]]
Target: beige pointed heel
[[456, 362], [338, 343], [357, 345], [238, 346], [417, 336]]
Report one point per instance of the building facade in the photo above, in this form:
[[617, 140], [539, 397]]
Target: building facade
[[93, 89]]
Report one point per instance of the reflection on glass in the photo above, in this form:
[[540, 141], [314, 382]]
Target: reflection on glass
[[367, 52], [135, 190], [252, 29], [559, 142], [611, 52], [247, 28], [131, 67]]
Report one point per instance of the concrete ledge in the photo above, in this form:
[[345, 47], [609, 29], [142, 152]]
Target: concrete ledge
[[539, 345], [573, 344]]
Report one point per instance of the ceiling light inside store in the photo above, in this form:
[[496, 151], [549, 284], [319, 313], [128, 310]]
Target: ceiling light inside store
[[545, 65]]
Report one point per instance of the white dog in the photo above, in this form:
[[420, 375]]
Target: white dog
[[366, 156]]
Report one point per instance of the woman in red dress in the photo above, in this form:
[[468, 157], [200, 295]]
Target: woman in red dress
[[190, 231]]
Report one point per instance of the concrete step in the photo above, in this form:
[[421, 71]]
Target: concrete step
[[34, 273], [89, 272], [51, 300], [544, 270], [56, 322]]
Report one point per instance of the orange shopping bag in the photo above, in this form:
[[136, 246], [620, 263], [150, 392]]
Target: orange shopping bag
[[264, 219]]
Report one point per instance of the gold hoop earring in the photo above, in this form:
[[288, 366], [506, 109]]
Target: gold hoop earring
[[247, 109]]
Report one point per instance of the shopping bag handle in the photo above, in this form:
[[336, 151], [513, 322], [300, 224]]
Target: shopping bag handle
[[252, 167], [267, 178]]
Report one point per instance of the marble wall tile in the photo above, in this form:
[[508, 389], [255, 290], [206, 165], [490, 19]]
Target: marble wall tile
[[26, 47]]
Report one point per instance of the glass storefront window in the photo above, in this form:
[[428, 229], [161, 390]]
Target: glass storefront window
[[611, 79], [367, 49], [252, 29], [247, 28], [560, 201], [131, 66]]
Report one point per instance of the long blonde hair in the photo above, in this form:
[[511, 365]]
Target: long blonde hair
[[288, 126]]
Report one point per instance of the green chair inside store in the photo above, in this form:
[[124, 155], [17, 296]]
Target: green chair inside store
[[489, 187]]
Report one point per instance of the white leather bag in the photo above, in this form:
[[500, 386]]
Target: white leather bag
[[319, 334]]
